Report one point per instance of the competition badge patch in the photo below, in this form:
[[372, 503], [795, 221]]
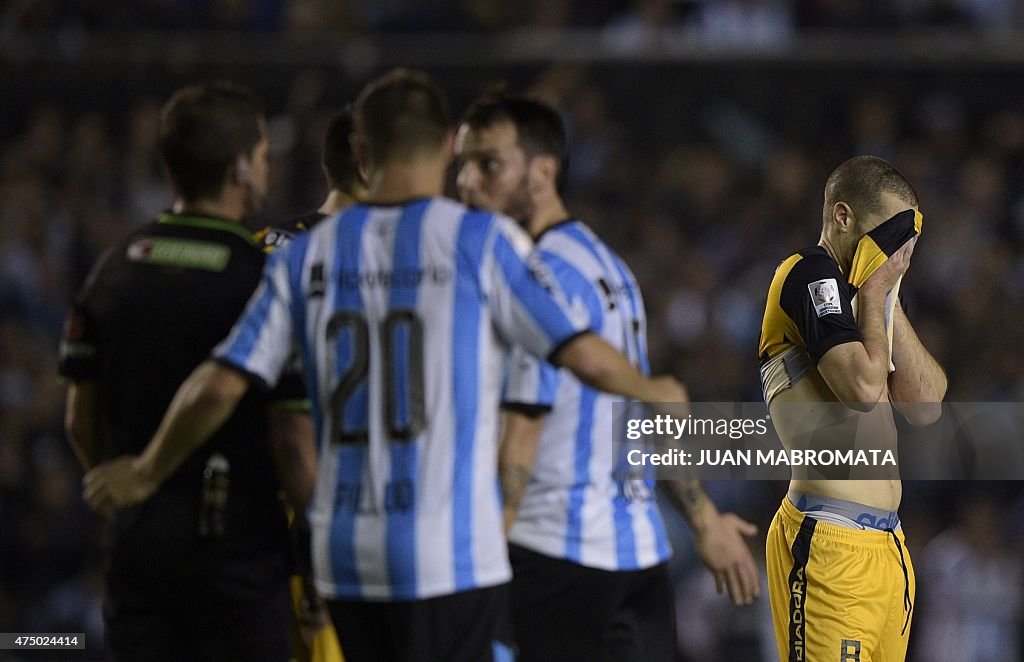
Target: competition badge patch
[[825, 296]]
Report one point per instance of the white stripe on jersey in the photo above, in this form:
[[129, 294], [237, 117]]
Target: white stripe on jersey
[[572, 507], [399, 312]]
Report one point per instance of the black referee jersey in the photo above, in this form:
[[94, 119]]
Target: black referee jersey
[[151, 310]]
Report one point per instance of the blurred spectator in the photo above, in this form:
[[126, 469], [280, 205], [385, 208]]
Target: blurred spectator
[[969, 604]]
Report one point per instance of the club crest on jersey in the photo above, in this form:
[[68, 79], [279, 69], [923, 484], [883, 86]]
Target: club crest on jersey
[[825, 296]]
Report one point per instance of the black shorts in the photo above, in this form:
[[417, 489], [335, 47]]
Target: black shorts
[[566, 612], [469, 626], [244, 613]]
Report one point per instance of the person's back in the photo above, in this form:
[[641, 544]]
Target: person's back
[[154, 308], [413, 366], [208, 551]]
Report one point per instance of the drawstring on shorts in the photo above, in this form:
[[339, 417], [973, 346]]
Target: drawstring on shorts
[[908, 605]]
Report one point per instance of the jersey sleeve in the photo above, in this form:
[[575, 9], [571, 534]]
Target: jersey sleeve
[[290, 391], [79, 347], [530, 383], [79, 352], [261, 342], [817, 298], [528, 306]]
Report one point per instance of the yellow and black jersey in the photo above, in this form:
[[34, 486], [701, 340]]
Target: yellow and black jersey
[[811, 304], [269, 239], [809, 311]]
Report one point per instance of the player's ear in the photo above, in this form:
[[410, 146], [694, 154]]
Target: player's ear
[[843, 217], [448, 146], [241, 170], [543, 171], [361, 156]]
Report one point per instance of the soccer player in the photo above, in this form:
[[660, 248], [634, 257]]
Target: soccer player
[[315, 640], [841, 582], [589, 553], [344, 184], [400, 308], [199, 571]]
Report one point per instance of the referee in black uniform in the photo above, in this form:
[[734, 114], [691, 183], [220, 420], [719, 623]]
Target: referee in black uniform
[[198, 571]]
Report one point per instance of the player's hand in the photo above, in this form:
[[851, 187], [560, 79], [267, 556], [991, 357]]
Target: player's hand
[[313, 617], [885, 276], [723, 549], [666, 388], [116, 484], [669, 396]]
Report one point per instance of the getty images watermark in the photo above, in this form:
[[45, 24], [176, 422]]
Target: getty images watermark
[[823, 441]]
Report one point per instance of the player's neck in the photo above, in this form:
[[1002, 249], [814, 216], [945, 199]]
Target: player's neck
[[830, 248], [336, 201], [225, 208], [547, 214], [396, 183]]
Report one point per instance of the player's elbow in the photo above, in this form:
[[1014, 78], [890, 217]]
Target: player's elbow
[[920, 414], [582, 356], [214, 387], [860, 395]]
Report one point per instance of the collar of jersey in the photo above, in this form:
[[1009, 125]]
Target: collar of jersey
[[206, 222], [554, 226]]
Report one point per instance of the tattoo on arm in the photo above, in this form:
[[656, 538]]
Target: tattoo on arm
[[514, 479]]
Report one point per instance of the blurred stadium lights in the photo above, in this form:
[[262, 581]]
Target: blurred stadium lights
[[928, 49]]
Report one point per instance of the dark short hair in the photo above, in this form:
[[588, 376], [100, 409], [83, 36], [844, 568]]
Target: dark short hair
[[539, 126], [337, 161], [203, 130], [401, 114], [861, 181]]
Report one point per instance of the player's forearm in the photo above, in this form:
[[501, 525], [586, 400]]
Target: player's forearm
[[81, 424], [293, 444], [918, 376], [600, 366], [516, 456], [690, 499], [202, 404], [872, 371], [918, 385]]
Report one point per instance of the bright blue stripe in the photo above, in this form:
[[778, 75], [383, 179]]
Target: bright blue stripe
[[252, 324], [658, 525], [347, 256], [638, 314], [575, 284], [401, 524], [473, 231], [294, 255], [547, 383], [537, 301], [625, 543], [501, 652], [581, 475], [610, 262]]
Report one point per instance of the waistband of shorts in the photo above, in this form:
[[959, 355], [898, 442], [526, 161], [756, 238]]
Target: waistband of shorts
[[859, 514], [834, 532]]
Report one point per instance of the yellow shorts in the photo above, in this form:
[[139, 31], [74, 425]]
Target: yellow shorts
[[838, 594], [325, 646]]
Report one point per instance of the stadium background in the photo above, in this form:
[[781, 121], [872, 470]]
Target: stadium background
[[702, 132]]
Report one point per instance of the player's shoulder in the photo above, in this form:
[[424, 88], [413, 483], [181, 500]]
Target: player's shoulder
[[809, 264], [576, 243]]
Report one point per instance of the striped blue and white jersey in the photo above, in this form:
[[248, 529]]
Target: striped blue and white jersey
[[573, 508], [402, 315]]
